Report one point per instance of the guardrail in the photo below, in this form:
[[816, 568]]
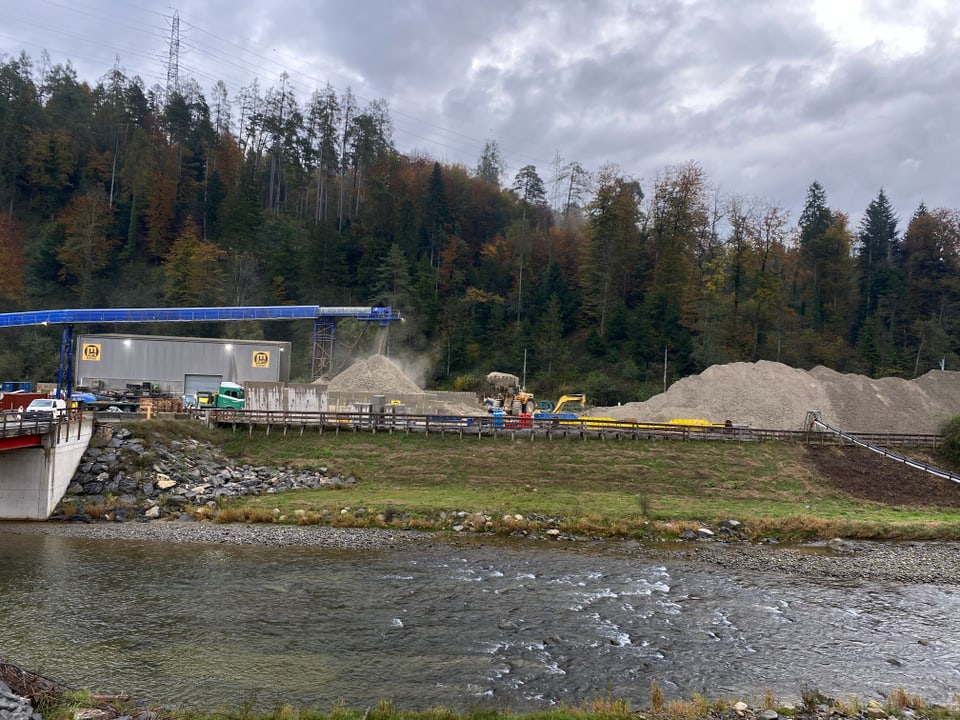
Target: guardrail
[[14, 424], [534, 428]]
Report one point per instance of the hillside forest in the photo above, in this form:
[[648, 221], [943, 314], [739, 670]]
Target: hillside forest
[[586, 279]]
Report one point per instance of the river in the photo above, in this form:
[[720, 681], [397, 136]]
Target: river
[[517, 626]]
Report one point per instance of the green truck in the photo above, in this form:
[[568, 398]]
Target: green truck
[[228, 395]]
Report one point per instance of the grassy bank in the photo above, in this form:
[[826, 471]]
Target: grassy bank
[[592, 487], [813, 706]]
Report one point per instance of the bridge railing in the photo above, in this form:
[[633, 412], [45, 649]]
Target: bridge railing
[[14, 424]]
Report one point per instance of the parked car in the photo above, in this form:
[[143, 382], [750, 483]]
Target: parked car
[[45, 409]]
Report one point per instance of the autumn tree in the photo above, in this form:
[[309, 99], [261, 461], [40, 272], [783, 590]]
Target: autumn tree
[[676, 223], [771, 311], [87, 243], [192, 271], [610, 252]]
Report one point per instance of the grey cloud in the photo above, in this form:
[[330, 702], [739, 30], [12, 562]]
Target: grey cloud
[[756, 92]]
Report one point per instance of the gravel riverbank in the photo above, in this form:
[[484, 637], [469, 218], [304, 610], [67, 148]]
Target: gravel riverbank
[[914, 562], [224, 533]]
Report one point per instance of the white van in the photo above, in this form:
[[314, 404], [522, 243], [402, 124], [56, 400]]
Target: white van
[[45, 409]]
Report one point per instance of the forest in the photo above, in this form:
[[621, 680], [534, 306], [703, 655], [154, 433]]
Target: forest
[[583, 280]]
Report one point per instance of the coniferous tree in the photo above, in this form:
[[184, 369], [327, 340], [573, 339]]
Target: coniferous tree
[[815, 219], [490, 166], [882, 301]]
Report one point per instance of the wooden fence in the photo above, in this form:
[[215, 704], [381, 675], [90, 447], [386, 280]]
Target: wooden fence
[[535, 428]]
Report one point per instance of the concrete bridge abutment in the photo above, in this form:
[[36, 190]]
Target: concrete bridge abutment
[[34, 480]]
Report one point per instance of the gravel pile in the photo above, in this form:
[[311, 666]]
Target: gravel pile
[[774, 396], [377, 374]]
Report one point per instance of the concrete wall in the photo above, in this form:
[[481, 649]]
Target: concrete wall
[[34, 480], [425, 403], [286, 398], [307, 398]]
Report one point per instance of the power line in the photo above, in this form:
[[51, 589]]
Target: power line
[[223, 53]]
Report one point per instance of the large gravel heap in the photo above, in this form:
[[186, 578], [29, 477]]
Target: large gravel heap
[[774, 396], [377, 374]]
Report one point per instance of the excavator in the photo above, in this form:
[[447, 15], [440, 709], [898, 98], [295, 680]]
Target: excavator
[[567, 407]]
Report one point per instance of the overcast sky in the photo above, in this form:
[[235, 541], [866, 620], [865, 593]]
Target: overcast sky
[[766, 95]]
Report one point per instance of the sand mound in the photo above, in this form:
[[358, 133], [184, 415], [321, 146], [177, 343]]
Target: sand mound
[[377, 374], [774, 396]]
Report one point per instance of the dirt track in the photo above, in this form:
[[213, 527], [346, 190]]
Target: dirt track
[[869, 476]]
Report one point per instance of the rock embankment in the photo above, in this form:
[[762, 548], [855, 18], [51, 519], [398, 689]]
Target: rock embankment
[[15, 707], [124, 479]]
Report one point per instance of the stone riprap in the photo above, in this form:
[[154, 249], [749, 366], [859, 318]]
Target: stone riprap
[[14, 707], [162, 480]]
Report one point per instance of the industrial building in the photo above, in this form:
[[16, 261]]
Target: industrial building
[[176, 365]]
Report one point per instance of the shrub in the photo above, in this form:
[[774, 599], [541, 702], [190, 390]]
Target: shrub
[[951, 440]]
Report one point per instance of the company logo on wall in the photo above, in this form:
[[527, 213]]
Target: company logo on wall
[[91, 352], [261, 359]]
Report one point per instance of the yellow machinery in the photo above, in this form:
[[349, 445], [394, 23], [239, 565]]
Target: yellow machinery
[[576, 402], [508, 395], [566, 409]]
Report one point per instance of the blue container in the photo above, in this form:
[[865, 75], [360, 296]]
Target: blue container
[[498, 417]]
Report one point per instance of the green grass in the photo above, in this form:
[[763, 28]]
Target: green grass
[[612, 487], [897, 704]]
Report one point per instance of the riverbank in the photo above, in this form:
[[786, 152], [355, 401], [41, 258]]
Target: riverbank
[[638, 489], [905, 562]]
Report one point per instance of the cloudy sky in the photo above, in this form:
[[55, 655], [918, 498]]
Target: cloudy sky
[[766, 95]]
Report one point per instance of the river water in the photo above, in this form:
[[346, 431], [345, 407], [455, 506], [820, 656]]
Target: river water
[[509, 626]]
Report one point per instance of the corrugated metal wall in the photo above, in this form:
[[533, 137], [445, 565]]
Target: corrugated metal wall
[[113, 361]]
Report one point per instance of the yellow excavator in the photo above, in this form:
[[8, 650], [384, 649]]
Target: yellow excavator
[[567, 407]]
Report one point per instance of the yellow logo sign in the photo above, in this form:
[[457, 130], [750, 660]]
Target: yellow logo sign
[[91, 352], [261, 358]]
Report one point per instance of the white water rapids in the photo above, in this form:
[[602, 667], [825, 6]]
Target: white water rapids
[[511, 626]]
